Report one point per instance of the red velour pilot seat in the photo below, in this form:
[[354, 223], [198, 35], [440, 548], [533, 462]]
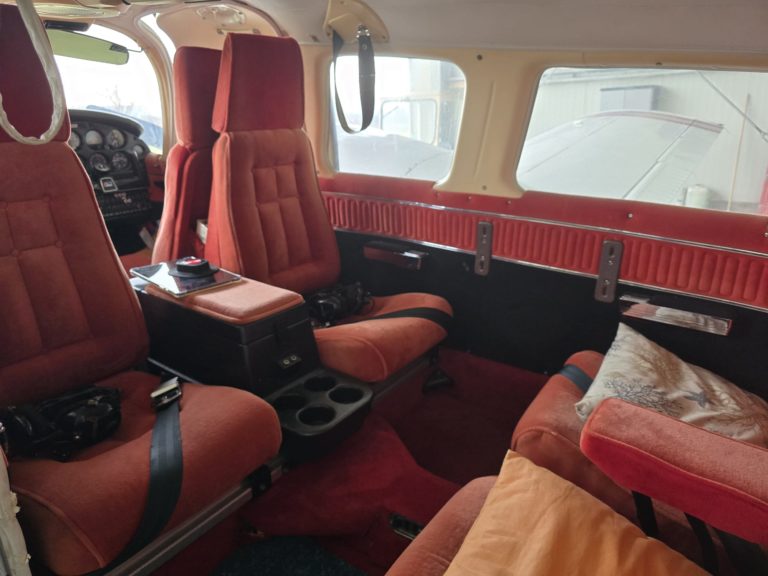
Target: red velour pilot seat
[[189, 167], [267, 220], [69, 319]]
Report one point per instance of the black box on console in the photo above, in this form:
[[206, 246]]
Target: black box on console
[[238, 335]]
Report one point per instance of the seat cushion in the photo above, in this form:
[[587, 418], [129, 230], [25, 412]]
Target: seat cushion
[[78, 515], [371, 350], [534, 523], [432, 551]]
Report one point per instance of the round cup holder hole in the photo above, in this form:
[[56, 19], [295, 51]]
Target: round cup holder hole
[[289, 402], [346, 395], [320, 383], [317, 415]]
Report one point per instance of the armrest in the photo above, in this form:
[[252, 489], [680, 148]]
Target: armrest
[[241, 302], [722, 481]]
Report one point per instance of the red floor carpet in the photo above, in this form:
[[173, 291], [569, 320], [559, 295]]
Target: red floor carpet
[[347, 497], [462, 432]]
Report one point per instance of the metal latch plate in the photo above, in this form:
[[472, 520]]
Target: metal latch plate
[[608, 272], [483, 250]]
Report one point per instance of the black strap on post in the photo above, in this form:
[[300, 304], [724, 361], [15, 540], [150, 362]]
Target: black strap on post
[[165, 473], [708, 551], [645, 514], [367, 74], [577, 376], [439, 317]]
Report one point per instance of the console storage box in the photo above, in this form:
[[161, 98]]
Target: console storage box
[[246, 334]]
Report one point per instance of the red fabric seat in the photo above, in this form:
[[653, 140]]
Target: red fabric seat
[[549, 433], [267, 220], [189, 167], [434, 548], [69, 508], [68, 319]]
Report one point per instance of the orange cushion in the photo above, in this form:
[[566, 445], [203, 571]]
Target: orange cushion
[[78, 515], [372, 350], [535, 523]]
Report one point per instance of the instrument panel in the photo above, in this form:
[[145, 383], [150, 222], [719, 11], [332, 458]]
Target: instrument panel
[[112, 152]]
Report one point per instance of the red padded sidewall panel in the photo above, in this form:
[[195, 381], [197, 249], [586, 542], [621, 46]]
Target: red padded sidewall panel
[[546, 229]]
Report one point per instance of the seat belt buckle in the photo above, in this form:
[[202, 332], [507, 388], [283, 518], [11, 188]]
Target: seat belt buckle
[[166, 394]]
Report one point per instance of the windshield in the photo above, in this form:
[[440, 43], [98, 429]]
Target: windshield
[[130, 89]]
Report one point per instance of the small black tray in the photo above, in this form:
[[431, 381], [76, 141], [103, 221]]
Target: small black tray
[[319, 411]]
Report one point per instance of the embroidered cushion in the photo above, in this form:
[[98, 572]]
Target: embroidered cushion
[[643, 373]]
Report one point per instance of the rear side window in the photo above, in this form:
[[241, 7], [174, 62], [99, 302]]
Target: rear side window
[[686, 137], [416, 120]]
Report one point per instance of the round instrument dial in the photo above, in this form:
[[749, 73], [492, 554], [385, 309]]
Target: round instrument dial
[[94, 138], [115, 139], [138, 149], [99, 163], [120, 161], [74, 140]]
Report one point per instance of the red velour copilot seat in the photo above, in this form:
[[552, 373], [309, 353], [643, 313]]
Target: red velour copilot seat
[[267, 220], [189, 167], [69, 319]]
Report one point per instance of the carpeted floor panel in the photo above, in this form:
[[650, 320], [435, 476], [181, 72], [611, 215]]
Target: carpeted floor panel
[[348, 495], [285, 556], [462, 432]]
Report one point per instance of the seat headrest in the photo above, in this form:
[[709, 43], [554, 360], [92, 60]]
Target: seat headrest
[[195, 74], [261, 85], [26, 96]]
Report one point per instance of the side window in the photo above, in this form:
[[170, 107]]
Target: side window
[[686, 137], [416, 121]]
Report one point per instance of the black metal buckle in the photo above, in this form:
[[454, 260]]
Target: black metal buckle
[[166, 394]]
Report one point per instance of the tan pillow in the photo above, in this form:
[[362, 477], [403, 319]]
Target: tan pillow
[[643, 373], [534, 523]]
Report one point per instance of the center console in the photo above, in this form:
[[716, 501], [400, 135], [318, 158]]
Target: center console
[[257, 337]]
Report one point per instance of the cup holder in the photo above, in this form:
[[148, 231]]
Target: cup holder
[[289, 402], [317, 415], [346, 395], [320, 383]]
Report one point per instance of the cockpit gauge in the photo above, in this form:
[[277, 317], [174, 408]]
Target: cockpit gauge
[[74, 140], [99, 163], [94, 139], [115, 139], [138, 149], [120, 161]]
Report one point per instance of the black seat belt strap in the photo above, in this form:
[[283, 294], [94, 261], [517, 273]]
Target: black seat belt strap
[[165, 471], [577, 376], [645, 514], [367, 78], [437, 316], [708, 550], [747, 558]]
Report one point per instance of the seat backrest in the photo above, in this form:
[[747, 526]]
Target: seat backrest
[[267, 219], [68, 316], [188, 172]]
